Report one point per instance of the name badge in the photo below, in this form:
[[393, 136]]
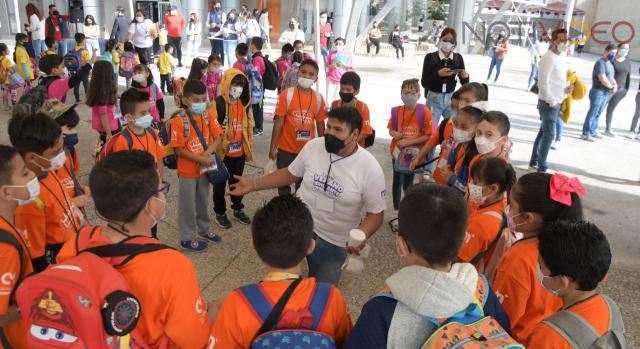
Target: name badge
[[324, 203], [444, 88], [303, 135], [235, 147], [442, 164]]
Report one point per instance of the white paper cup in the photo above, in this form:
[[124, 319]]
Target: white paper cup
[[356, 237]]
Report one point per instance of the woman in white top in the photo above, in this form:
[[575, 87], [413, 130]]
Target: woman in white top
[[35, 26], [141, 32], [293, 33], [251, 27], [265, 27], [193, 35], [92, 31]]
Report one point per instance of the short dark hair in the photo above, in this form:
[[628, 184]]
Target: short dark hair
[[340, 39], [52, 6], [499, 119], [555, 33], [297, 57], [480, 90], [215, 58], [579, 250], [352, 79], [128, 46], [3, 47], [7, 154], [286, 48], [312, 63], [130, 98], [79, 37], [322, 13], [411, 82], [257, 42], [282, 231], [133, 174], [194, 87], [449, 30], [298, 42], [242, 49], [33, 133], [70, 118], [532, 195], [610, 47], [167, 47], [110, 44], [349, 115], [50, 42], [438, 235], [48, 62], [494, 171]]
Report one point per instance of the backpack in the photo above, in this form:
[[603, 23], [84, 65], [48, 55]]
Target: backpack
[[31, 102], [270, 76], [290, 79], [178, 90], [170, 159], [470, 328], [420, 116], [127, 63], [255, 82], [73, 60], [4, 72], [289, 97], [305, 336], [501, 245], [581, 335], [83, 302], [108, 148], [503, 224]]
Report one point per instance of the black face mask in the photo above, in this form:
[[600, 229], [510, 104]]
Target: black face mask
[[70, 140], [346, 96], [333, 144]]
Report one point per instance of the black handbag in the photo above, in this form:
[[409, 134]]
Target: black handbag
[[220, 174], [370, 139]]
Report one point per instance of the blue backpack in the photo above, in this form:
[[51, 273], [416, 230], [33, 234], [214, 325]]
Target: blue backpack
[[269, 336], [73, 60], [255, 82]]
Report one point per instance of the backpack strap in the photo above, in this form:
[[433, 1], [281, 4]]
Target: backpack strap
[[482, 289], [503, 220], [8, 238], [394, 118], [127, 250], [289, 96], [152, 131], [615, 333], [84, 237], [319, 302], [420, 116], [441, 128], [573, 328], [153, 92], [127, 136]]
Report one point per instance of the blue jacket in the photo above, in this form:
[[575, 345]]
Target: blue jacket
[[120, 28]]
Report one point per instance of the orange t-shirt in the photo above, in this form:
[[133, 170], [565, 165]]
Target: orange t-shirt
[[186, 167], [362, 107], [300, 119], [444, 152], [519, 290], [594, 311], [236, 324], [166, 284], [13, 271], [145, 143], [234, 149], [64, 173], [407, 123], [53, 223], [482, 229]]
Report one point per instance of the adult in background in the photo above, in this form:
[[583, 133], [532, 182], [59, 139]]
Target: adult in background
[[439, 72], [499, 51], [215, 20], [91, 31], [250, 28], [57, 28], [293, 33], [552, 90], [340, 181], [622, 74], [603, 87], [373, 38], [141, 31], [536, 51], [35, 27], [175, 25], [230, 32], [636, 116], [193, 35], [120, 25], [396, 40], [265, 27], [325, 35]]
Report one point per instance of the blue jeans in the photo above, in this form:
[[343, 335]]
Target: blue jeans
[[495, 62], [559, 129], [230, 51], [440, 105], [549, 117], [401, 182], [62, 47], [533, 75], [325, 263], [325, 53], [597, 101]]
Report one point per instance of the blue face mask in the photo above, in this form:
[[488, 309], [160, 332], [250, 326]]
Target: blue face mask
[[70, 140], [144, 121], [623, 52], [611, 56], [198, 108]]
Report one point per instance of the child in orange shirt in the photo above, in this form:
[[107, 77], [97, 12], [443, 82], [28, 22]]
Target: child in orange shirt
[[299, 112], [164, 281], [492, 137], [490, 180], [531, 208], [52, 219], [574, 258], [349, 90], [282, 234], [193, 158], [410, 125], [235, 113], [18, 186]]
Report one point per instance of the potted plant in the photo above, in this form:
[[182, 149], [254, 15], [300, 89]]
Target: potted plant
[[438, 11]]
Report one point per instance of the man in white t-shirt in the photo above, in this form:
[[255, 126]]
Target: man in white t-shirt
[[340, 180]]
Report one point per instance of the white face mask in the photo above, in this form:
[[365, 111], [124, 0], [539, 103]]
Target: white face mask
[[462, 136], [562, 47], [139, 78], [164, 212], [34, 190], [56, 162], [214, 69], [140, 19], [445, 47], [339, 47], [305, 83], [475, 194], [236, 92], [541, 277], [484, 145]]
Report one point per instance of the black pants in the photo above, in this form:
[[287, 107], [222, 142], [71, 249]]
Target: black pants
[[398, 47], [373, 42], [165, 80], [85, 85], [636, 115], [258, 112], [284, 159], [176, 42], [145, 54], [235, 166], [613, 103], [217, 47]]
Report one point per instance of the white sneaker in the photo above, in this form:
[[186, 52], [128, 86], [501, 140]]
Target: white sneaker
[[555, 145], [631, 135]]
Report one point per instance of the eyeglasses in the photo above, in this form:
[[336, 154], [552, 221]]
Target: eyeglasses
[[394, 226], [164, 188]]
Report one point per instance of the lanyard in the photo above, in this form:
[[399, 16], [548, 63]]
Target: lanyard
[[68, 210], [300, 105], [331, 162], [280, 276], [20, 237], [146, 148]]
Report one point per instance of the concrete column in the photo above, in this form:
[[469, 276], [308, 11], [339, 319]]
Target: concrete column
[[94, 8], [569, 12], [341, 14]]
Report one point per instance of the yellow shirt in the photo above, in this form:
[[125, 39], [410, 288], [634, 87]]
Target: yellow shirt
[[165, 63], [52, 52], [6, 65], [22, 57], [84, 53]]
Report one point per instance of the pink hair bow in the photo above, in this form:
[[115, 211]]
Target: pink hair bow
[[562, 186]]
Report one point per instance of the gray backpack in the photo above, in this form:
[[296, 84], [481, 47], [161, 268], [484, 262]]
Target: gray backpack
[[581, 335]]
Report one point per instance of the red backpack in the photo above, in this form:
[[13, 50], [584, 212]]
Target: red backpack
[[85, 302], [127, 63]]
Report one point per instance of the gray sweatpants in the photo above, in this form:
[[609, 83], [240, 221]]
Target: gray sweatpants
[[193, 207]]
